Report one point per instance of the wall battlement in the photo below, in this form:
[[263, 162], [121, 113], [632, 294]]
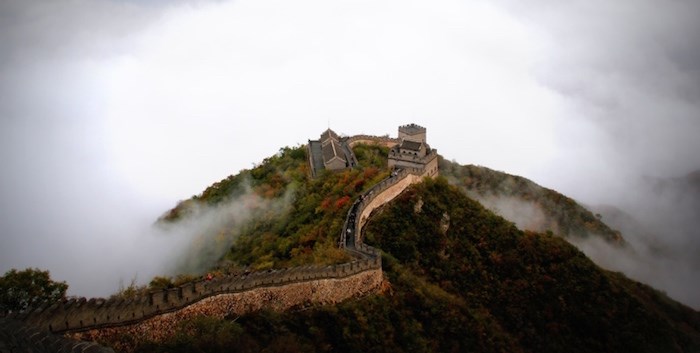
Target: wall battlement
[[81, 314]]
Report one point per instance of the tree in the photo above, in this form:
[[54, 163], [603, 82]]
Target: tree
[[20, 290]]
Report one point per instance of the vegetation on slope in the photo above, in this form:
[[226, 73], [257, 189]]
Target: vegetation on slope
[[543, 292], [307, 231], [464, 279], [29, 288], [561, 215]]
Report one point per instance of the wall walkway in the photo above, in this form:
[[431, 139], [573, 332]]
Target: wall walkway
[[369, 139]]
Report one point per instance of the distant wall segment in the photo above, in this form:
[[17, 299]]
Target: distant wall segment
[[371, 140]]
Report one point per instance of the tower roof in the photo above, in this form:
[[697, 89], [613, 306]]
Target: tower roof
[[411, 145], [333, 150], [328, 134]]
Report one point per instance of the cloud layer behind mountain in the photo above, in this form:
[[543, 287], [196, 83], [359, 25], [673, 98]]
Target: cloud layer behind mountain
[[111, 111]]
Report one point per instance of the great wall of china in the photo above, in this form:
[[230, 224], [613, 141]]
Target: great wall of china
[[155, 315]]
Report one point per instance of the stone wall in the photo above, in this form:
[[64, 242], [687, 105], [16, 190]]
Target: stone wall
[[295, 295], [81, 314], [431, 167], [369, 140], [380, 197]]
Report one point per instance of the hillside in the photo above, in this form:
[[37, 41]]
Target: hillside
[[530, 206], [459, 277], [542, 291], [660, 224], [302, 227]]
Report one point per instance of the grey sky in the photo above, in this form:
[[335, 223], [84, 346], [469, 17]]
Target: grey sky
[[112, 111]]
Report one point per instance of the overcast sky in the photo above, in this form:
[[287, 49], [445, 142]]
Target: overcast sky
[[112, 111]]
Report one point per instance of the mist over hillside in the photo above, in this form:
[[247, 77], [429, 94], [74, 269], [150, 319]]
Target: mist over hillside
[[653, 236], [661, 223], [458, 277], [612, 238], [113, 110]]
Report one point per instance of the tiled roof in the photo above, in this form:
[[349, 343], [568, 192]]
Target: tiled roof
[[411, 145], [328, 134], [331, 151]]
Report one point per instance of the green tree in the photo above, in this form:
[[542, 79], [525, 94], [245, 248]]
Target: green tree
[[20, 290]]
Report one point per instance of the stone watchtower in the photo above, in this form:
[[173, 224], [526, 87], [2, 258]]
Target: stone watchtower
[[413, 151], [412, 132]]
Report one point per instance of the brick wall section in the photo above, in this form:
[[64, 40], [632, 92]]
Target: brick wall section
[[382, 193], [302, 294], [379, 197], [81, 314]]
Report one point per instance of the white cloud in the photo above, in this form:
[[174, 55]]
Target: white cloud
[[112, 105]]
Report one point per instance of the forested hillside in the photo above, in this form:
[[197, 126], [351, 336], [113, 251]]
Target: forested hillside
[[529, 205], [306, 229], [458, 278]]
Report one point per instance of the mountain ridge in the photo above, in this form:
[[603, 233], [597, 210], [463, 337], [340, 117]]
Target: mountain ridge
[[306, 232], [399, 274]]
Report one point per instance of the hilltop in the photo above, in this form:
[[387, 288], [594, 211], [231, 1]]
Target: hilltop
[[458, 276], [328, 248]]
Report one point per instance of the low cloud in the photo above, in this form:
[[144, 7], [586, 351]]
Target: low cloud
[[111, 111], [659, 223], [210, 231], [668, 271], [525, 214]]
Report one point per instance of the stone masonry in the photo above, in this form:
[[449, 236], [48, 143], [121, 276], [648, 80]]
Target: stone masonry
[[302, 294]]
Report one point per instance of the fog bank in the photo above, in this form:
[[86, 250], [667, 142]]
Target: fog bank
[[111, 111]]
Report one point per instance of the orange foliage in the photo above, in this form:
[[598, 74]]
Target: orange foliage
[[342, 202], [370, 172], [326, 203], [358, 184]]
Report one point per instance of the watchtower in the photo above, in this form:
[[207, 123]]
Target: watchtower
[[413, 151], [412, 132]]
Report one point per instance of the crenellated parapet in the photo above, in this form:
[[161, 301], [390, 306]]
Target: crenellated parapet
[[81, 314], [378, 195], [297, 295]]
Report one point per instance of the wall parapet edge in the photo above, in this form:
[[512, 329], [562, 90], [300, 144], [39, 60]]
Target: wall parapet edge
[[81, 314]]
